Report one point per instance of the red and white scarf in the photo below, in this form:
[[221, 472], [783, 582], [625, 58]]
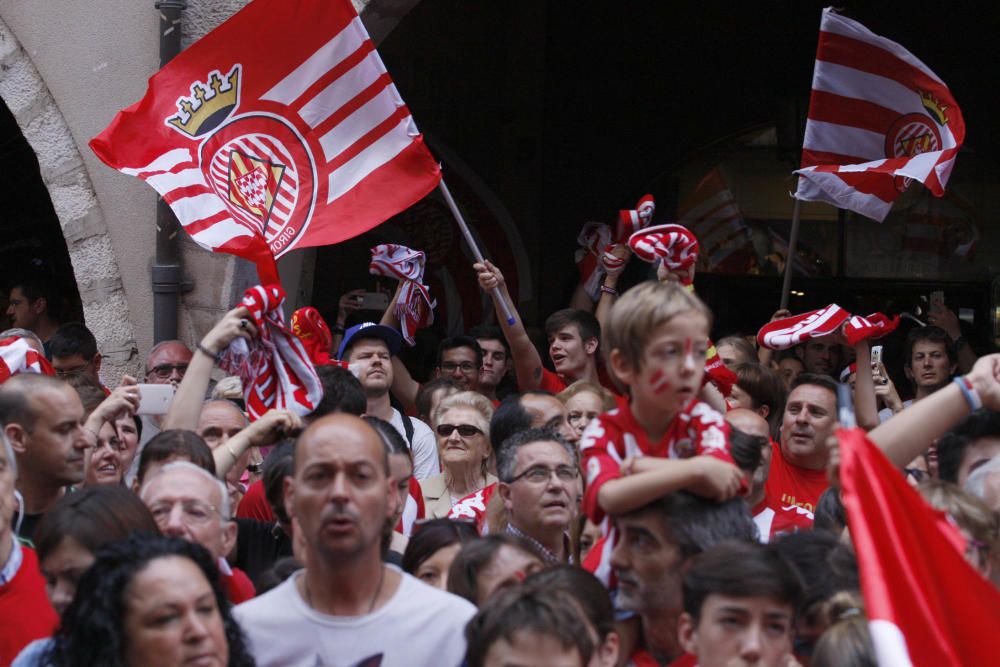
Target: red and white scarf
[[311, 329], [274, 366], [595, 257], [673, 245], [414, 307], [16, 356], [795, 329]]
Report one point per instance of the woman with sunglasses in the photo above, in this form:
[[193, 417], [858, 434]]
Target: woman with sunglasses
[[462, 424]]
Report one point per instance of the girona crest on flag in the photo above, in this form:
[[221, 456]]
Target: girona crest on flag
[[255, 162]]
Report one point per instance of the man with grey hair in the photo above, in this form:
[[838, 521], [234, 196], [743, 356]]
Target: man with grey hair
[[540, 488], [188, 502]]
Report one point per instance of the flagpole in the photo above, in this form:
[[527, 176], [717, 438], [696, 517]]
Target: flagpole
[[497, 294], [793, 240]]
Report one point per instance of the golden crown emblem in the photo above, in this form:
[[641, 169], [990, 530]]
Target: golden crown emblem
[[934, 107], [209, 105]]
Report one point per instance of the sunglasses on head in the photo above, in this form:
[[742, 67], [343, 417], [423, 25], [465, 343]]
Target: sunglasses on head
[[464, 430]]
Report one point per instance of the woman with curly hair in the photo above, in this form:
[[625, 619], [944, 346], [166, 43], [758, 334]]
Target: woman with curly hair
[[150, 601]]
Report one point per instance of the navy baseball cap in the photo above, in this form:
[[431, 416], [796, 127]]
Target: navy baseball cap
[[387, 335]]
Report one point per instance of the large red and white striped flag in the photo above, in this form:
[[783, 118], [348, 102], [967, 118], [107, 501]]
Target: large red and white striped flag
[[926, 605], [280, 129], [714, 215], [878, 118]]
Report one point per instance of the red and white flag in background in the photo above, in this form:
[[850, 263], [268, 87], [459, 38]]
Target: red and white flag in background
[[878, 117], [16, 356], [280, 129], [714, 215], [926, 605]]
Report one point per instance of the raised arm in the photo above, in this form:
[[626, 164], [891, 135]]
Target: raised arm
[[271, 427], [914, 429], [609, 288], [865, 403], [527, 363], [650, 478], [404, 387], [185, 408]]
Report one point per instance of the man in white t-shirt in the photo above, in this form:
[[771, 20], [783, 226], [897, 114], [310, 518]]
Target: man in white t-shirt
[[347, 607], [369, 349]]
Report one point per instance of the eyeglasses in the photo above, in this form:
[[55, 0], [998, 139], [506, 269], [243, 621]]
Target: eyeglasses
[[541, 474], [451, 366], [464, 430], [193, 510], [164, 371], [70, 372], [919, 475]]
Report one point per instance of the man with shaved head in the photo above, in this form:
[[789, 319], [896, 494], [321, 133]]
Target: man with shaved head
[[347, 606], [42, 418]]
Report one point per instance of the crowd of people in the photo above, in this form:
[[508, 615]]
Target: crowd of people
[[642, 497]]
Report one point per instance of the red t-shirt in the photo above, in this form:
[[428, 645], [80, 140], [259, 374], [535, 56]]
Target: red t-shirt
[[254, 504], [641, 658], [616, 435], [789, 485], [25, 608], [238, 586], [552, 383], [774, 521]]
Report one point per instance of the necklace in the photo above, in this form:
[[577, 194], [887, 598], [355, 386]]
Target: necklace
[[371, 607]]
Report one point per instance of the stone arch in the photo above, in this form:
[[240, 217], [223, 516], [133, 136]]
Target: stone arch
[[80, 217]]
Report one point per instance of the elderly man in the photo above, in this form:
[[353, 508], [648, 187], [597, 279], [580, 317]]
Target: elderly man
[[540, 487], [22, 588], [347, 607], [655, 546], [42, 418], [186, 501], [798, 464]]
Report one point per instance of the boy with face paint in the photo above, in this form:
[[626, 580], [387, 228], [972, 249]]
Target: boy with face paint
[[664, 439]]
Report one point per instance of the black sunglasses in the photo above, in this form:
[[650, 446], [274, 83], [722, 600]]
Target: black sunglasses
[[464, 430]]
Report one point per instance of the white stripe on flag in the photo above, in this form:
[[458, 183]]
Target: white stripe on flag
[[388, 146], [722, 232], [220, 233], [343, 90], [165, 162], [319, 63], [889, 644], [920, 166], [831, 189], [849, 82], [359, 123], [831, 138], [840, 25], [707, 206], [192, 209], [166, 182]]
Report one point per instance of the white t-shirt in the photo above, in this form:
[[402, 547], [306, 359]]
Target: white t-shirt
[[420, 625], [424, 449]]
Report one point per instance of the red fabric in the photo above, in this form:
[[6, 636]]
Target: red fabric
[[413, 509], [790, 331], [922, 597], [238, 586], [473, 506], [25, 609], [717, 373], [775, 521], [673, 245], [614, 436], [16, 356], [641, 658], [553, 383], [254, 504], [274, 366], [311, 329], [712, 213], [789, 485], [870, 327], [917, 129], [414, 306], [281, 166]]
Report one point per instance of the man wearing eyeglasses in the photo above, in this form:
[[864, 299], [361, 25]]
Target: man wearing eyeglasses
[[540, 487], [166, 363], [73, 350], [188, 502]]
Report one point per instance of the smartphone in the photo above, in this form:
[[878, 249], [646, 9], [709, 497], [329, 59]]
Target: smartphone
[[876, 355], [154, 399], [373, 301], [936, 298]]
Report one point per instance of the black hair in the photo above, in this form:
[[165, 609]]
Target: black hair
[[342, 392], [740, 570], [490, 332], [73, 338], [585, 588], [550, 613], [92, 516], [928, 334], [585, 322], [764, 387], [830, 514], [454, 342], [951, 447], [93, 626], [431, 536], [695, 524], [463, 576], [422, 402], [175, 443], [824, 564], [747, 450], [278, 464], [39, 286], [815, 379], [511, 417]]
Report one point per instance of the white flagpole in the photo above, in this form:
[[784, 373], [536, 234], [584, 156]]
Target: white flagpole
[[793, 240], [497, 294]]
